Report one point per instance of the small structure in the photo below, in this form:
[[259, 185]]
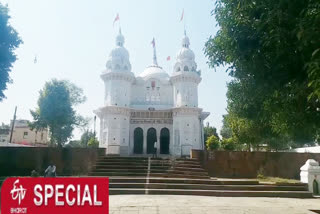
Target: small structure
[[312, 149], [22, 135], [310, 174]]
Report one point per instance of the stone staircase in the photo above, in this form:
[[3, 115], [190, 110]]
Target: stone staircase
[[138, 166], [140, 175]]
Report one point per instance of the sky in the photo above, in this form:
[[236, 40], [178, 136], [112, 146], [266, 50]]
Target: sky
[[72, 39]]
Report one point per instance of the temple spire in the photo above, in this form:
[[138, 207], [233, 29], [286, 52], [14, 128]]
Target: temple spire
[[120, 39], [154, 52]]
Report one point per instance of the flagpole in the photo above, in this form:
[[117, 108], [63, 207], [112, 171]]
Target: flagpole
[[184, 22]]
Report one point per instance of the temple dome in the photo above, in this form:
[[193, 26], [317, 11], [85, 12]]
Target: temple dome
[[185, 54], [155, 72]]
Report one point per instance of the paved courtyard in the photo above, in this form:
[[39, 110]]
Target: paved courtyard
[[167, 204]]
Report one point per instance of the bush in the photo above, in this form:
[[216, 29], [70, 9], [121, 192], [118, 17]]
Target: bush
[[261, 173], [93, 142], [228, 144], [213, 143], [34, 174]]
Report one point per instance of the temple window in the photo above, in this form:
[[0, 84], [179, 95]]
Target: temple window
[[186, 68]]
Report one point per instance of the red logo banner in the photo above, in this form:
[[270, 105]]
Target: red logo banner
[[55, 195]]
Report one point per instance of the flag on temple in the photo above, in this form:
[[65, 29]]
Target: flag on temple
[[168, 58], [182, 15], [116, 19]]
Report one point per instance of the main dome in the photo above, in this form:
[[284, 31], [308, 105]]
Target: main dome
[[154, 71]]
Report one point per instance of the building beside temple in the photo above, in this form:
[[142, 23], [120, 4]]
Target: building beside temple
[[152, 106], [22, 135]]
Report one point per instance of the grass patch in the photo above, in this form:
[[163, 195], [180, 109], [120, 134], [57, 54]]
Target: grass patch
[[277, 180]]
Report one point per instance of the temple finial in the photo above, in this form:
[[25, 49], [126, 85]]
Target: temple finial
[[154, 52], [120, 39]]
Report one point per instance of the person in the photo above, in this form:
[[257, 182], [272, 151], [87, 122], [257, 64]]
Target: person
[[50, 171], [155, 150]]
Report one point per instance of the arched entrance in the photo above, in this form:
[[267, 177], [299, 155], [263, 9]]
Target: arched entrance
[[164, 141], [151, 138], [138, 141]]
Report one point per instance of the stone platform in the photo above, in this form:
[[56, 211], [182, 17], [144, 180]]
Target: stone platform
[[132, 175]]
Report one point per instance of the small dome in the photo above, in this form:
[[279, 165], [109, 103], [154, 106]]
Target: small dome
[[185, 54], [185, 58], [154, 72], [119, 52], [119, 57]]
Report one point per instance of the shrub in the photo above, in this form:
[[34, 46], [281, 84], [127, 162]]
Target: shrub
[[228, 144], [261, 173], [34, 173], [213, 143], [93, 142]]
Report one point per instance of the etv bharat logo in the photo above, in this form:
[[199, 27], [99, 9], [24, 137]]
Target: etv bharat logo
[[18, 192]]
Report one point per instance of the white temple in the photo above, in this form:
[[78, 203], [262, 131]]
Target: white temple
[[151, 107]]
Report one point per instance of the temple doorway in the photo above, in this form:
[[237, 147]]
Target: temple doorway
[[164, 141], [138, 141], [151, 138]]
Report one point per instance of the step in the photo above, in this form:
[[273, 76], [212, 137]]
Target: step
[[207, 187], [188, 159], [187, 165], [122, 157], [181, 181], [120, 167], [107, 167], [120, 170], [174, 175], [108, 174], [189, 169], [180, 172], [220, 193], [121, 163]]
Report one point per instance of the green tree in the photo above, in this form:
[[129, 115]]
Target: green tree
[[73, 144], [9, 41], [226, 131], [209, 131], [93, 143], [85, 137], [271, 49], [213, 143], [228, 144], [56, 110]]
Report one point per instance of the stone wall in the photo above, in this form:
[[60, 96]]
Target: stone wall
[[247, 164], [20, 161]]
